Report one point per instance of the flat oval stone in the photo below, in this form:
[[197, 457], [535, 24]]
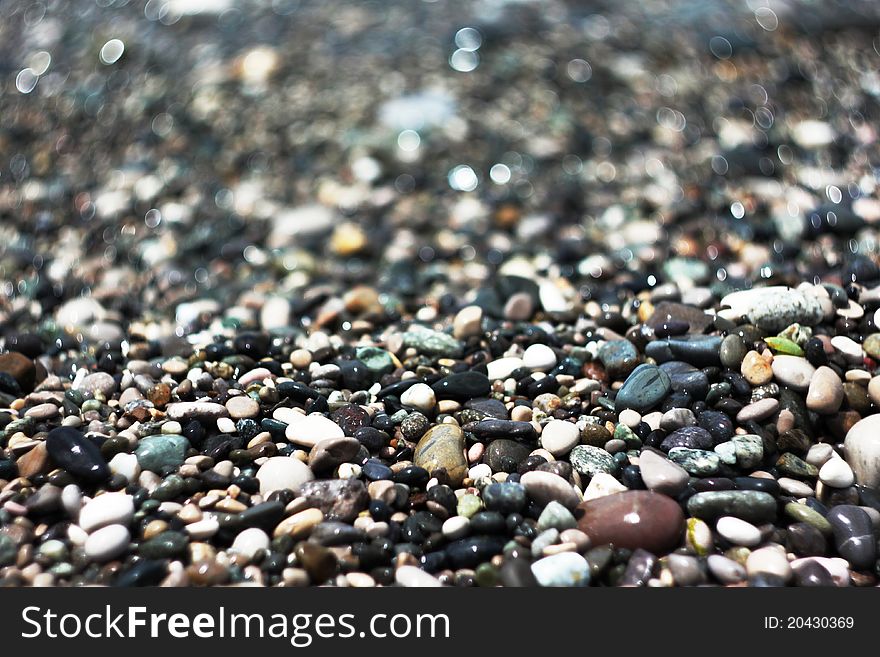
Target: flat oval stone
[[462, 386], [106, 543], [242, 406], [76, 454], [309, 430], [632, 520], [107, 509], [504, 497], [793, 371], [749, 505], [98, 382], [471, 552], [196, 410], [643, 389], [442, 447], [282, 472], [862, 449], [759, 410]]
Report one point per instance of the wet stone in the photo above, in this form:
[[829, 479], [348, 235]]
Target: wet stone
[[632, 520], [71, 450]]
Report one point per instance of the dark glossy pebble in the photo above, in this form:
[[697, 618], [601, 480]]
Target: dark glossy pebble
[[71, 450], [336, 533], [487, 429], [487, 522], [398, 388], [9, 385], [165, 545], [805, 540], [471, 552], [146, 572], [854, 535], [671, 327], [255, 345], [375, 470], [717, 424], [380, 511], [504, 497], [814, 351], [813, 573], [462, 386], [489, 408], [757, 483], [631, 477], [445, 497], [517, 573], [713, 483], [265, 515], [695, 384], [413, 476], [296, 391]]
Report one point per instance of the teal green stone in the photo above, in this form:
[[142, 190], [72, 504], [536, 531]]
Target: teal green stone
[[376, 360], [627, 435], [433, 343], [156, 453]]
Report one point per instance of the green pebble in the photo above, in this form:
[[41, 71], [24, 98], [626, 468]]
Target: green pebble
[[803, 513], [156, 453], [468, 505], [784, 346], [486, 575], [165, 545], [91, 405], [376, 360], [871, 345]]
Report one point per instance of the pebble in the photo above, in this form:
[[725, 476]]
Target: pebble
[[98, 382], [242, 406], [442, 448], [107, 543], [467, 322], [71, 450], [862, 450], [559, 437], [419, 396], [412, 577], [544, 487], [756, 369], [854, 535], [662, 475], [774, 308], [792, 371], [158, 453], [738, 532], [836, 473], [748, 505], [250, 542], [633, 519], [183, 411], [282, 472], [309, 430], [643, 389], [726, 571], [563, 569], [107, 509], [589, 460], [769, 560]]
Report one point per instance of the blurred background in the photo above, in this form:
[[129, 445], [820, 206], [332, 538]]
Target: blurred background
[[154, 154]]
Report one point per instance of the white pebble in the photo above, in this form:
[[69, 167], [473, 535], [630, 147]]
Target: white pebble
[[559, 437], [419, 396], [836, 473], [738, 532], [107, 543], [455, 527], [249, 542], [107, 509], [539, 357], [125, 465]]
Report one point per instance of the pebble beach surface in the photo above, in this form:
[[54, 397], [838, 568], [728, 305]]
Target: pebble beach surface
[[439, 294]]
